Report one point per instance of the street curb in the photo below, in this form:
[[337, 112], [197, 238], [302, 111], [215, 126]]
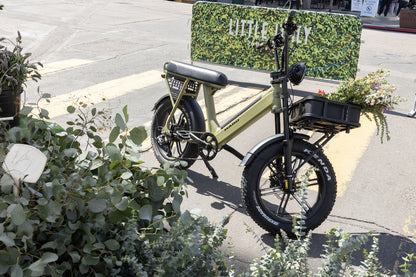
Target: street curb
[[393, 29]]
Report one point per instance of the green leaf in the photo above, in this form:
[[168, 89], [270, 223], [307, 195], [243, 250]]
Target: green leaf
[[70, 152], [118, 216], [16, 214], [160, 180], [126, 115], [176, 203], [75, 256], [96, 164], [25, 229], [112, 244], [126, 175], [123, 204], [156, 194], [16, 271], [138, 135], [44, 113], [38, 267], [26, 110], [8, 242], [6, 183], [145, 212], [120, 122], [115, 132], [90, 260], [70, 109], [113, 152], [97, 205]]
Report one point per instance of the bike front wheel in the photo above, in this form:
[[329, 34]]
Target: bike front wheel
[[271, 205]]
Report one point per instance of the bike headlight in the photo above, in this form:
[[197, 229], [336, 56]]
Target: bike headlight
[[296, 73]]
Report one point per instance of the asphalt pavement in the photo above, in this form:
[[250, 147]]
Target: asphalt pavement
[[112, 51]]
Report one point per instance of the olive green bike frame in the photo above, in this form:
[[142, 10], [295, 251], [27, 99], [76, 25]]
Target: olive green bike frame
[[269, 100]]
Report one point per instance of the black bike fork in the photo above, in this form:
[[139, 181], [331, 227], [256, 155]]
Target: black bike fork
[[280, 77]]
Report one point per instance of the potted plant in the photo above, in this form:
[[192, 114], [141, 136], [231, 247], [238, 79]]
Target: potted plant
[[15, 70]]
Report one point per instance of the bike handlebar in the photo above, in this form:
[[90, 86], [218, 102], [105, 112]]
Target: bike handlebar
[[277, 40]]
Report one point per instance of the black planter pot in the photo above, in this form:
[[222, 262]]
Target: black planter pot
[[10, 106]]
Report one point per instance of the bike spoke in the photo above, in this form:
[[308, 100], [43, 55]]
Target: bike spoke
[[179, 147], [272, 168], [283, 203], [181, 119], [270, 191], [302, 204], [310, 183]]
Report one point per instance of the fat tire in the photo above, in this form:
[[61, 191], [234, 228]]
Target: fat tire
[[195, 122], [254, 204]]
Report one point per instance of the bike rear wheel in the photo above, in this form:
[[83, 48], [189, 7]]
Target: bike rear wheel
[[171, 147], [272, 206]]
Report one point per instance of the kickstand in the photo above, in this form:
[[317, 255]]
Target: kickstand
[[211, 169]]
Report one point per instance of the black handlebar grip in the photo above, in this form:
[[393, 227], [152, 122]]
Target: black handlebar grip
[[290, 17]]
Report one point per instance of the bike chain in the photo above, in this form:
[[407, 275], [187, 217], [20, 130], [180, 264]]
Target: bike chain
[[201, 138]]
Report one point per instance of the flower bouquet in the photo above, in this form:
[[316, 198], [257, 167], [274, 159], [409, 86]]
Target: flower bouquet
[[373, 93]]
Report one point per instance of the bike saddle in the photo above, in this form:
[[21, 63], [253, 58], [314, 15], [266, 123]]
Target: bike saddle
[[198, 73]]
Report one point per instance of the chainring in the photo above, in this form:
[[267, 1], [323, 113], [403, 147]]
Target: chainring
[[208, 151]]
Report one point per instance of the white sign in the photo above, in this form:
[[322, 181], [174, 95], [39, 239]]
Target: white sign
[[24, 163], [369, 8], [356, 5]]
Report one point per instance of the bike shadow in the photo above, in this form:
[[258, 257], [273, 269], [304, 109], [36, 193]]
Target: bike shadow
[[226, 194], [392, 250]]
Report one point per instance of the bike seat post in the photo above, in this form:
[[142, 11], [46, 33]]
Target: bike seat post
[[212, 121]]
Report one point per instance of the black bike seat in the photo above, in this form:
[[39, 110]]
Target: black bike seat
[[198, 73]]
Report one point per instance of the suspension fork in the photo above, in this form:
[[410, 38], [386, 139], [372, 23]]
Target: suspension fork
[[288, 138], [281, 105]]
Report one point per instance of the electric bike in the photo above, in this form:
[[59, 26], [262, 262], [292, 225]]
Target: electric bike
[[272, 168]]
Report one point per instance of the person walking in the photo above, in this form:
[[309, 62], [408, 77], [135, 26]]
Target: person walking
[[384, 6], [402, 4], [258, 2], [394, 7]]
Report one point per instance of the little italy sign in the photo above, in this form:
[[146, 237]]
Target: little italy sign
[[251, 28], [226, 34]]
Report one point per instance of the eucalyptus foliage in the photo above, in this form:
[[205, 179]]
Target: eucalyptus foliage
[[98, 212]]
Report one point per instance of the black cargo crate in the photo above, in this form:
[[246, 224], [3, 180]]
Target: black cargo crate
[[324, 115]]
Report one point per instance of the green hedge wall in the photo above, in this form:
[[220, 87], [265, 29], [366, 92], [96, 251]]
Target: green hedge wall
[[226, 34]]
